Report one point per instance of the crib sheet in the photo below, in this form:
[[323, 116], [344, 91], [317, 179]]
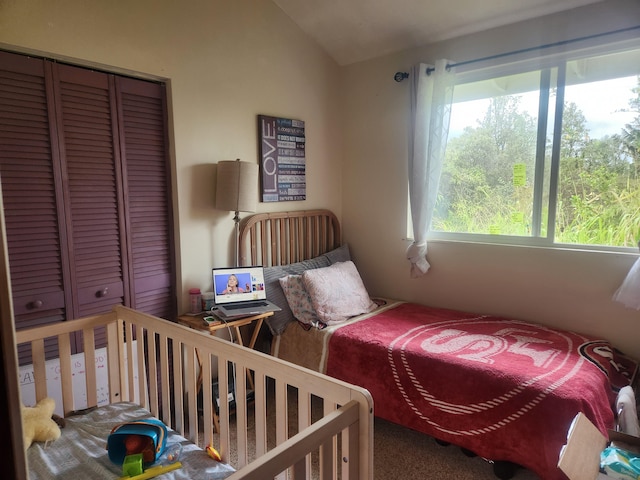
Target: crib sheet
[[81, 452]]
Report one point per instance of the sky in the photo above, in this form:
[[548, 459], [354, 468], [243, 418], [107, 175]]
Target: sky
[[602, 103]]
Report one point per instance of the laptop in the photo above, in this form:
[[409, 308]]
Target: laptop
[[240, 292]]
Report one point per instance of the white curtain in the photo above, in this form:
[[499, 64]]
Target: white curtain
[[629, 291], [431, 96]]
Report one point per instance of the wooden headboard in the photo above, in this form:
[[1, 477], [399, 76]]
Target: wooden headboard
[[281, 238]]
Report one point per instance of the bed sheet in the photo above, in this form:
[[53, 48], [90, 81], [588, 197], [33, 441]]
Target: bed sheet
[[81, 452]]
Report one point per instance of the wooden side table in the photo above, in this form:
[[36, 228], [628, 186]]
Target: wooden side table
[[197, 322]]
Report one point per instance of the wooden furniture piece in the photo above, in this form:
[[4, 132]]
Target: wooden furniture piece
[[197, 322], [281, 238], [152, 362]]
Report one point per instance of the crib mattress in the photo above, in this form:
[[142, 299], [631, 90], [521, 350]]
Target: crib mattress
[[81, 452]]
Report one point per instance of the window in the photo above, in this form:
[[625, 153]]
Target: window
[[545, 156]]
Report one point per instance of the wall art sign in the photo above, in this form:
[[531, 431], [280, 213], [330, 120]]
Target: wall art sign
[[282, 159]]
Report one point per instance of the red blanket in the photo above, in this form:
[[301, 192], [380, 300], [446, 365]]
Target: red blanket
[[504, 389]]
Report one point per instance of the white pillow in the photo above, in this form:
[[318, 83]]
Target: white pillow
[[298, 299], [337, 292]]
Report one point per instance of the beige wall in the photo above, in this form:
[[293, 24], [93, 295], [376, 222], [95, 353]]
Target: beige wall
[[570, 289], [226, 61]]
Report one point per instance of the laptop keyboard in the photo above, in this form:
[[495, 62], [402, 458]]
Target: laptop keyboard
[[246, 305]]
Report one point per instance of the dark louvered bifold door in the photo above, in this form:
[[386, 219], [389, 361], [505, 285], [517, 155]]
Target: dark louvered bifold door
[[93, 191], [148, 201], [31, 196], [87, 119], [86, 188]]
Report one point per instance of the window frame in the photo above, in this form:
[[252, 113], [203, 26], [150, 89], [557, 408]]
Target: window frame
[[545, 64]]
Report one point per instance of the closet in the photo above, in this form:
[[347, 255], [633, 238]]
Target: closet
[[86, 186]]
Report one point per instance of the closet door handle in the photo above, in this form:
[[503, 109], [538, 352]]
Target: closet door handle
[[35, 304], [103, 292]]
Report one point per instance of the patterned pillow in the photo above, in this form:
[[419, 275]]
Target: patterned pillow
[[298, 299], [337, 292], [279, 321]]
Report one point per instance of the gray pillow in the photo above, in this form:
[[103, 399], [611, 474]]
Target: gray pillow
[[340, 254], [279, 321]]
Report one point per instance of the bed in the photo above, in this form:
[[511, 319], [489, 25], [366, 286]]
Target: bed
[[286, 421], [500, 388]]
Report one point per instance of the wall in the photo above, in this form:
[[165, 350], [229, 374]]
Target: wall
[[225, 62], [570, 289]]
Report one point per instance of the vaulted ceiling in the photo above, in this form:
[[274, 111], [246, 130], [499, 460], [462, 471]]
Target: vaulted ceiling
[[355, 30]]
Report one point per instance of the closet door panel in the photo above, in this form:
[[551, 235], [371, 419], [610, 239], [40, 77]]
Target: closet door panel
[[93, 196], [29, 189], [148, 201], [32, 200]]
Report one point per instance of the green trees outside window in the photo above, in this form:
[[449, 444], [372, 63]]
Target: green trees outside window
[[547, 156]]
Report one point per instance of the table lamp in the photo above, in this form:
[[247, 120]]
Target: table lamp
[[236, 191]]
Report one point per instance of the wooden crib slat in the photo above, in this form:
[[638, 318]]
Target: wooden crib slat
[[350, 468], [64, 349], [207, 399], [241, 414], [328, 456], [300, 470], [113, 363], [223, 409], [304, 420], [39, 370], [327, 460], [282, 424], [89, 343], [131, 352], [164, 378], [178, 390], [152, 367], [191, 390], [260, 410], [141, 367], [123, 374]]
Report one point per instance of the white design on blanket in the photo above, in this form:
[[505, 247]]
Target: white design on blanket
[[400, 365], [485, 346]]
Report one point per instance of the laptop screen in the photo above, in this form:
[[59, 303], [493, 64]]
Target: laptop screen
[[238, 284]]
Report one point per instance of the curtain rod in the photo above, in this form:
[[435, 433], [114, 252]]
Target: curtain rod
[[400, 76]]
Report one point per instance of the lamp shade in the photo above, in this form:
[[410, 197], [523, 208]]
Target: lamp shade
[[236, 186]]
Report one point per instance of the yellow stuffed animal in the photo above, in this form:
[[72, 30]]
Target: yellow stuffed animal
[[37, 424]]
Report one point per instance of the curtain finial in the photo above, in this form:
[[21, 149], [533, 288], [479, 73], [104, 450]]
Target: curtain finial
[[400, 76]]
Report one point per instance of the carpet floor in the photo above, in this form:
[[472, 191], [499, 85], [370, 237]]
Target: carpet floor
[[402, 453]]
